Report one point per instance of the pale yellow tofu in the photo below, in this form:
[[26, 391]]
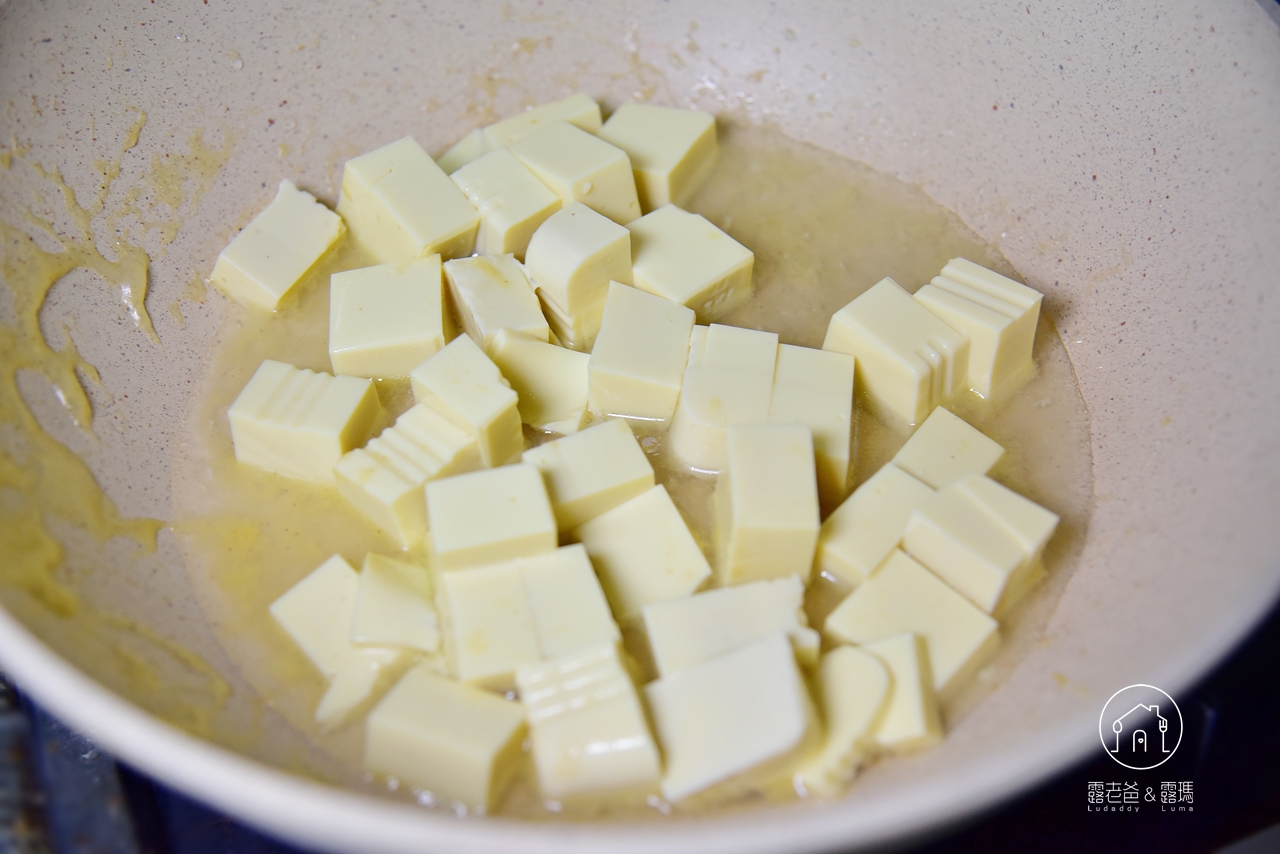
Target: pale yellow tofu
[[908, 361], [998, 314], [592, 471], [945, 448], [644, 553], [746, 711], [489, 624], [471, 147], [578, 110], [637, 363], [550, 381], [464, 385], [488, 516], [903, 596], [355, 681], [815, 388], [672, 151], [386, 320], [868, 526], [728, 380], [911, 720], [571, 259], [384, 479], [766, 504], [492, 292], [455, 741], [854, 687], [399, 205], [277, 248], [512, 202], [299, 423], [587, 728], [395, 606], [683, 257], [569, 608], [981, 538], [580, 167], [685, 632]]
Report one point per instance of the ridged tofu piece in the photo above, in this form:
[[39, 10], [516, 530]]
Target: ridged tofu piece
[[488, 516], [747, 711], [386, 320], [457, 742], [672, 151], [588, 731], [592, 472], [911, 720], [945, 448], [511, 201], [464, 385], [492, 292], [766, 504], [903, 596], [908, 360], [384, 479], [550, 381], [580, 167], [854, 686], [577, 109], [815, 388], [395, 606], [285, 240], [299, 423], [685, 258], [685, 632]]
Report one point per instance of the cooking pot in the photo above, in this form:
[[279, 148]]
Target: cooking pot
[[1124, 157]]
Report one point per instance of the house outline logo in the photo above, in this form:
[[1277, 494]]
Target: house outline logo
[[1140, 727]]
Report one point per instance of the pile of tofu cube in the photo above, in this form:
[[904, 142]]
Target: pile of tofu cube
[[585, 296]]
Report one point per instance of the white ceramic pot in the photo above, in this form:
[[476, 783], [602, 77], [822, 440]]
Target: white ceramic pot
[[1125, 158]]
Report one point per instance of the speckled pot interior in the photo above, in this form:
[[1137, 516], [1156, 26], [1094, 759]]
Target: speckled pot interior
[[1124, 157]]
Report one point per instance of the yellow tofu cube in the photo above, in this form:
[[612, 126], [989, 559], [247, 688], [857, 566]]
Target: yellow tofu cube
[[578, 110], [550, 381], [492, 292], [489, 516], [945, 448], [455, 741], [854, 687], [592, 471], [471, 147], [672, 151], [908, 361], [277, 248], [298, 423], [766, 504], [815, 388], [395, 606], [911, 720], [512, 202], [683, 257], [399, 205], [580, 167], [385, 320], [638, 361]]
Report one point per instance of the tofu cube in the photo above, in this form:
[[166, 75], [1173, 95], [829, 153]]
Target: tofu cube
[[854, 686], [578, 110], [728, 380], [945, 448], [672, 151], [908, 361], [572, 258], [298, 423], [580, 167], [550, 381], [911, 720], [471, 147], [355, 681], [644, 553], [569, 608], [394, 606], [386, 320], [745, 711], [384, 479], [264, 262], [998, 314], [455, 741], [766, 504], [492, 292], [683, 257], [638, 361], [592, 471], [399, 205], [587, 727], [981, 538], [461, 383], [903, 596], [868, 526], [686, 632], [815, 388], [512, 202], [489, 516]]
